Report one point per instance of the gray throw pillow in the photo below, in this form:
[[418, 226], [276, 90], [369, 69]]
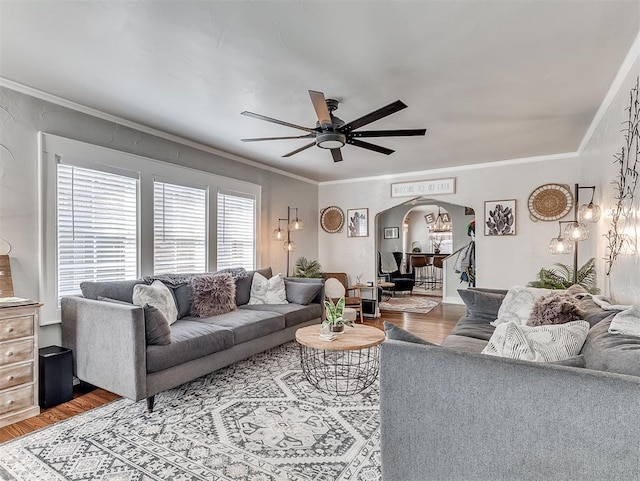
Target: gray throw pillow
[[397, 333], [300, 292], [617, 353], [156, 326], [183, 295], [213, 295], [481, 305]]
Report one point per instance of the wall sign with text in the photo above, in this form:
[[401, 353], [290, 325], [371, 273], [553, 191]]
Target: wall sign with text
[[424, 187]]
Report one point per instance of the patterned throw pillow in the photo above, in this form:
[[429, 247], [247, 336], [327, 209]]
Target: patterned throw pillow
[[518, 303], [268, 291], [542, 343], [159, 296], [213, 295]]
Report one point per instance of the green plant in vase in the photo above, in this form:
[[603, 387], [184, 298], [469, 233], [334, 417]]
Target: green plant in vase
[[334, 321]]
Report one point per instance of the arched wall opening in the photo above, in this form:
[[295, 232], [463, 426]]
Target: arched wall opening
[[411, 222]]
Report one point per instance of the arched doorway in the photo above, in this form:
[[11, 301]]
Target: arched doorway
[[433, 229]]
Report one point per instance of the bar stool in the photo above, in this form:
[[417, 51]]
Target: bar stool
[[437, 272], [419, 267]]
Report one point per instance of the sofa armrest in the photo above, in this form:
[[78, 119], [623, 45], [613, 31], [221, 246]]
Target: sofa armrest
[[108, 344], [454, 415]]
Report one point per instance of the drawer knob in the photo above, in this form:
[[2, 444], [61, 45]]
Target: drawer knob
[[11, 329], [10, 378], [10, 402], [10, 353]]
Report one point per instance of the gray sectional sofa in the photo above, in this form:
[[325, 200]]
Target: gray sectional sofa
[[450, 413], [110, 349]]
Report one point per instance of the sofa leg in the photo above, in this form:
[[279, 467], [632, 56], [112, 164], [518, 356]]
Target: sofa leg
[[150, 401]]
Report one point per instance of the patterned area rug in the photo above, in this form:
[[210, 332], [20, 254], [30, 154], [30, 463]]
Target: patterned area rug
[[418, 304], [257, 420]]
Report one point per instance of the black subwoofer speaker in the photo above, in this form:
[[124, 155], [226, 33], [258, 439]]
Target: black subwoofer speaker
[[369, 307], [55, 368]]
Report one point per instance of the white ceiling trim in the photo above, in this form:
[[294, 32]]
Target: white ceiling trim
[[625, 68], [457, 168], [54, 99]]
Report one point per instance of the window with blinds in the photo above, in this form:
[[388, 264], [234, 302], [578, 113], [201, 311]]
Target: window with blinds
[[97, 227], [236, 231], [179, 229]]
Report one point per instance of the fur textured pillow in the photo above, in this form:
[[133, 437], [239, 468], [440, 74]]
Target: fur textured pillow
[[555, 309], [213, 295]]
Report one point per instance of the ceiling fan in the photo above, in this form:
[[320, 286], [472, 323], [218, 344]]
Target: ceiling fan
[[332, 133]]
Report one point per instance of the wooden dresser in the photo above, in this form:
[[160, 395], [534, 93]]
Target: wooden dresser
[[18, 363]]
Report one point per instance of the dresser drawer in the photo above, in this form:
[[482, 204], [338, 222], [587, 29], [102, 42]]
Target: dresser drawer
[[16, 351], [14, 375], [16, 327], [16, 399]]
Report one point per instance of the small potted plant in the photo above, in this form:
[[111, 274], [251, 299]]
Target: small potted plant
[[335, 321]]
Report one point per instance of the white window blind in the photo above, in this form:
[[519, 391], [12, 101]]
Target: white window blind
[[236, 231], [97, 228], [180, 229]]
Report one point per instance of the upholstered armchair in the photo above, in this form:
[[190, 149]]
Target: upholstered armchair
[[403, 282]]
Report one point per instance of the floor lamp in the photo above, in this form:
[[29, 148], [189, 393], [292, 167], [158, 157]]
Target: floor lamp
[[576, 229], [279, 234]]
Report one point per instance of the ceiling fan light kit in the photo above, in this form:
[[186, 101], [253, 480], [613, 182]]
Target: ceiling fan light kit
[[332, 133]]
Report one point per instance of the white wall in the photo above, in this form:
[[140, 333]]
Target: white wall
[[22, 116], [501, 261], [599, 169]]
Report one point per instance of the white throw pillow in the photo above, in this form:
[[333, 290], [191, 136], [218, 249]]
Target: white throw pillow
[[333, 288], [268, 291], [157, 295], [518, 304], [552, 342]]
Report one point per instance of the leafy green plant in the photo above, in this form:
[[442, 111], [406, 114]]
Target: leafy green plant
[[307, 268], [562, 277], [334, 313]]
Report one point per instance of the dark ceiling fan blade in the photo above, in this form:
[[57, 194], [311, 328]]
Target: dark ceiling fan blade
[[276, 121], [337, 155], [385, 111], [299, 150], [259, 139], [320, 106], [368, 146], [388, 133]]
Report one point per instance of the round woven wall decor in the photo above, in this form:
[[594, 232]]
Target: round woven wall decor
[[332, 219], [550, 202]]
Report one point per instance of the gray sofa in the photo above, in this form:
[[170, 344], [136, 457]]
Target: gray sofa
[[450, 413], [110, 349]]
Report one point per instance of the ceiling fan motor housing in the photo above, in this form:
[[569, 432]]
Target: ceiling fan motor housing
[[330, 140]]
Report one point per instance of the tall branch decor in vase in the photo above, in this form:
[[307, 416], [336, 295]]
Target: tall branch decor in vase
[[625, 185]]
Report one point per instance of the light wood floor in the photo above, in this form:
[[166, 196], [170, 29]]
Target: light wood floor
[[433, 326]]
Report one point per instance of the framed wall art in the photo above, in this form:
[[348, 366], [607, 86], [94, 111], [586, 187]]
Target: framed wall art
[[391, 232], [358, 222], [500, 217]]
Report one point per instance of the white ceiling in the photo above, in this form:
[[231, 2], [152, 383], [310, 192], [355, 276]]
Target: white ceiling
[[490, 80]]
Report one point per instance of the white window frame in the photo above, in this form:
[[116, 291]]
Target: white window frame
[[53, 149]]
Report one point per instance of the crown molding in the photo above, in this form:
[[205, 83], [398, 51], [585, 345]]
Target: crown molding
[[458, 168], [54, 99]]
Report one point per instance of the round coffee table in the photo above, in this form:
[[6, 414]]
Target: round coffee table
[[345, 366]]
